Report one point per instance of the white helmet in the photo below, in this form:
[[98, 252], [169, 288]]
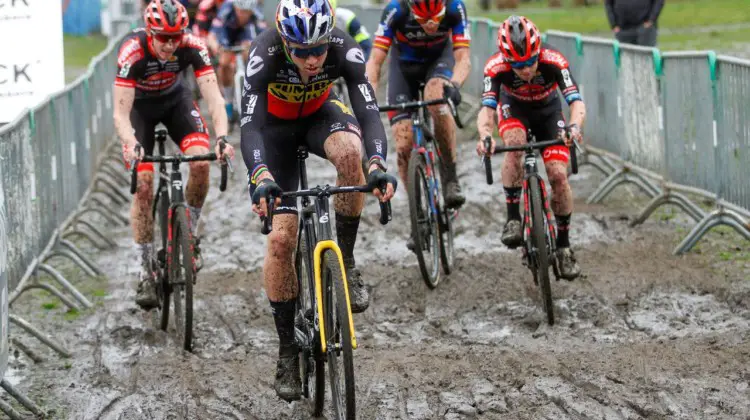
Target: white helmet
[[305, 22], [246, 4]]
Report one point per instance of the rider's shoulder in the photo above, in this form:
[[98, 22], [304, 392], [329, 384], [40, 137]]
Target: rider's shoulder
[[551, 56], [132, 47], [496, 64], [268, 43]]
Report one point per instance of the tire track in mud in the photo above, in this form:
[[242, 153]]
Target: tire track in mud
[[643, 335]]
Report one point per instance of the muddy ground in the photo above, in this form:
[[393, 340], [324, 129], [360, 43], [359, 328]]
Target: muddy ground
[[643, 335]]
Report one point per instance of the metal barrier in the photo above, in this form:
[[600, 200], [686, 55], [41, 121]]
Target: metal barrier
[[59, 162], [674, 123]]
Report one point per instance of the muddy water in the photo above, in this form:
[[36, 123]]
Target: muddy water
[[643, 334]]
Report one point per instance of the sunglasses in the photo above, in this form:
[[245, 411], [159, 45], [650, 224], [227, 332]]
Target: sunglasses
[[305, 52], [436, 18], [164, 38], [523, 64]]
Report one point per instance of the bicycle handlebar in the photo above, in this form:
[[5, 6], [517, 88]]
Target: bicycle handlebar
[[176, 158], [385, 208], [235, 49], [422, 104]]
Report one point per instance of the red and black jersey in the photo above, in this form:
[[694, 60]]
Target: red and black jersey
[[552, 73], [139, 68]]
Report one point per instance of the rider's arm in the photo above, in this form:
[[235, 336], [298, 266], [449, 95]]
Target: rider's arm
[[124, 98], [383, 40], [129, 63], [364, 104], [254, 110], [461, 41], [486, 118]]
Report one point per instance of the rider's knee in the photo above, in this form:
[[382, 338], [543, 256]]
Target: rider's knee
[[225, 60], [145, 190], [402, 132], [513, 136], [200, 168], [281, 244], [433, 89], [557, 173], [344, 151]]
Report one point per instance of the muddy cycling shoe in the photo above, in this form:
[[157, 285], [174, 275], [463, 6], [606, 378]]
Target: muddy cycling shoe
[[145, 296], [197, 253], [453, 196], [512, 237], [288, 385], [567, 264], [359, 297]]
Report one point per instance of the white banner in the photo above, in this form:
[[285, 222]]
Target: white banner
[[31, 55]]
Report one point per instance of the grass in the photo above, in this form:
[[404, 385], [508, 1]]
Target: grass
[[79, 50], [712, 40], [593, 19]]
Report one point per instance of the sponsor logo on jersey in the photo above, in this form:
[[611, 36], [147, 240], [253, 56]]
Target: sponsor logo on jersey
[[296, 93]]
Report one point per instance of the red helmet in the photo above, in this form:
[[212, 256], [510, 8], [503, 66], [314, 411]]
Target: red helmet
[[426, 9], [519, 39], [166, 17]]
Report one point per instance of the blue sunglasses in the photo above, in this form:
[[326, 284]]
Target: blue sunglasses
[[304, 52], [523, 64]]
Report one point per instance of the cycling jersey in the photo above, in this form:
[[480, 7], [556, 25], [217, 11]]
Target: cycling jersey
[[228, 30], [273, 86], [347, 21], [552, 72], [398, 26], [139, 68]]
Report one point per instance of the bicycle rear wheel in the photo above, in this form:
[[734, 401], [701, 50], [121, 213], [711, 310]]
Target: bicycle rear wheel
[[338, 340], [539, 242], [424, 222], [446, 227], [182, 276], [312, 362]]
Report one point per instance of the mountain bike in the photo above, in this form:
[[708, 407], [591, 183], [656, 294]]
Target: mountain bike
[[174, 264], [431, 221], [324, 328], [539, 233]]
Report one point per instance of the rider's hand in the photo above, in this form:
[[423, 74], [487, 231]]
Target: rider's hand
[[482, 151], [377, 178], [572, 133], [228, 149], [452, 92], [128, 151], [260, 192]]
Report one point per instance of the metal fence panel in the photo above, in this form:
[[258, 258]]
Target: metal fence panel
[[44, 145], [733, 129], [598, 83], [481, 50], [688, 119], [3, 284], [641, 137]]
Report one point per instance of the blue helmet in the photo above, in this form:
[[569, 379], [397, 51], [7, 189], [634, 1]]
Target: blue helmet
[[305, 22]]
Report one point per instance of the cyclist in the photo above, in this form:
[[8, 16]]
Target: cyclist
[[347, 21], [431, 40], [207, 10], [237, 23], [288, 102], [520, 84], [149, 90]]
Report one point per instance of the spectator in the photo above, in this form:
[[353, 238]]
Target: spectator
[[634, 21]]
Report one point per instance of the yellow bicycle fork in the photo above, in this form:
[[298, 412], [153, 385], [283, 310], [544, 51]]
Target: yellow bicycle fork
[[319, 248]]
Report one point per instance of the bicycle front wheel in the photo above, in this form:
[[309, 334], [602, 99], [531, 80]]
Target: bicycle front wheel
[[539, 242], [424, 223], [182, 276], [160, 213], [338, 340]]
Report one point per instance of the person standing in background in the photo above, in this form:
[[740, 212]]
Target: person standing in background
[[634, 21]]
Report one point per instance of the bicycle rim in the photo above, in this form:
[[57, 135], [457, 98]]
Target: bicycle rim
[[312, 365], [182, 276], [339, 342], [424, 226], [539, 241]]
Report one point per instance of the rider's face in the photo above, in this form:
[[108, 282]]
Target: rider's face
[[309, 59], [165, 45], [243, 16], [527, 73]]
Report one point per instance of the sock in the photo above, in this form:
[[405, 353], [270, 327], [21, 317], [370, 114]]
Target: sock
[[346, 233], [563, 227], [513, 202], [195, 214], [146, 252], [283, 317]]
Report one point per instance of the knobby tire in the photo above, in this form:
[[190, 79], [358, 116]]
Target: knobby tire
[[539, 241], [419, 195], [182, 274]]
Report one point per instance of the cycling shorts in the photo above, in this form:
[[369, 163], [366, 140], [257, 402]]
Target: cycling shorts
[[178, 112], [283, 137], [545, 123], [404, 78]]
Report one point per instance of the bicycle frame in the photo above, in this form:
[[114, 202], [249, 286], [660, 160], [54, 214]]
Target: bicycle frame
[[531, 173]]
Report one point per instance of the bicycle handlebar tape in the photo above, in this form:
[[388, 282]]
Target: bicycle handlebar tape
[[488, 160], [223, 183], [573, 159]]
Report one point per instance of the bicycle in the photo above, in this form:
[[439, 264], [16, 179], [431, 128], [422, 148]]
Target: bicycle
[[539, 234], [324, 328], [174, 276], [431, 221]]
